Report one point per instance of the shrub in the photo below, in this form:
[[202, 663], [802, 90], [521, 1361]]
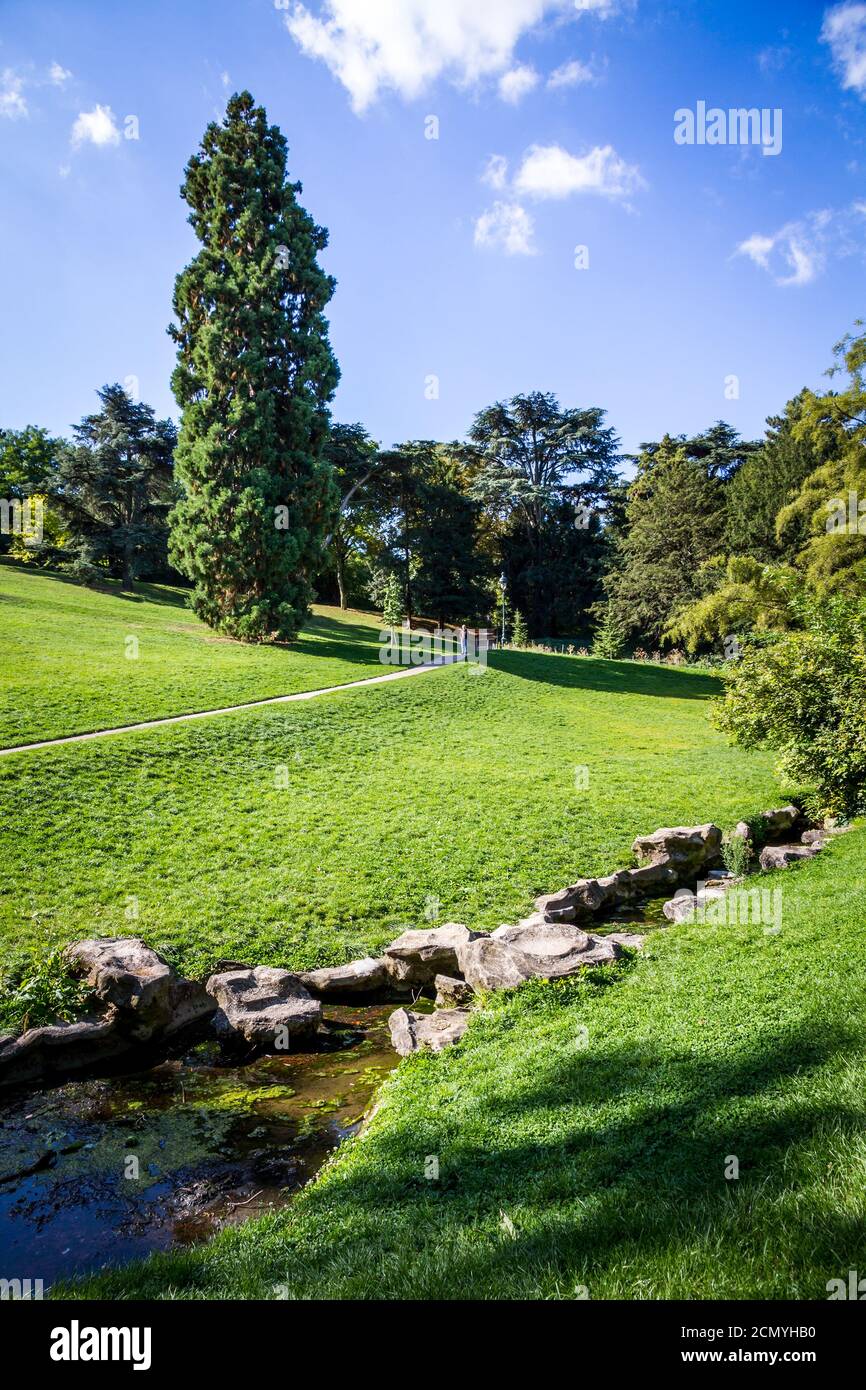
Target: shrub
[[44, 992], [610, 635], [804, 693], [519, 633]]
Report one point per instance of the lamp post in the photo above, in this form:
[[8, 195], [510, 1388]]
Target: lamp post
[[503, 585]]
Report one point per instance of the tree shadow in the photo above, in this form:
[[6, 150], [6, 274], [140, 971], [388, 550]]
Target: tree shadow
[[585, 673], [655, 1172]]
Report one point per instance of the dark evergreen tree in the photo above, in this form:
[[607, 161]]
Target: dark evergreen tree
[[536, 464], [675, 523], [114, 485], [254, 377]]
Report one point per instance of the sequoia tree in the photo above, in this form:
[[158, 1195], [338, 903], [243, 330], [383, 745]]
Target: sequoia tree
[[254, 377]]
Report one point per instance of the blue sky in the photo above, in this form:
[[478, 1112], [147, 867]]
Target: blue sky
[[455, 256]]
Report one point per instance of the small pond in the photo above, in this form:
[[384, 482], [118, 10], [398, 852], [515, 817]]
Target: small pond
[[102, 1171]]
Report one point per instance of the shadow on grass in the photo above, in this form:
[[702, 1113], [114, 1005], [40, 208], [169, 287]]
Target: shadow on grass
[[603, 1199], [585, 673]]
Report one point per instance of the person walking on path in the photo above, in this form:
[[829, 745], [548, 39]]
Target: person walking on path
[[463, 644]]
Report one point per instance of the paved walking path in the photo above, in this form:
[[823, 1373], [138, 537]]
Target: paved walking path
[[228, 709]]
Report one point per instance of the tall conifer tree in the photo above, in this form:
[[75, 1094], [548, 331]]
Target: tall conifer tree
[[254, 377]]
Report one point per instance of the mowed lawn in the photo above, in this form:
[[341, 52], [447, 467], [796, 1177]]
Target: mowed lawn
[[586, 1134], [75, 659], [307, 834]]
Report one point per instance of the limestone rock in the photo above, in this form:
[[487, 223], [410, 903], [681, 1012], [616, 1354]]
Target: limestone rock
[[546, 951], [783, 856], [61, 1050], [781, 821], [410, 1031], [627, 938], [130, 976], [358, 977], [263, 1005], [687, 849], [417, 956], [451, 992]]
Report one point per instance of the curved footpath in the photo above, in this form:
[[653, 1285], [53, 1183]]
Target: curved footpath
[[228, 709]]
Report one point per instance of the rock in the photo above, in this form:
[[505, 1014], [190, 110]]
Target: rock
[[685, 906], [557, 948], [416, 957], [574, 903], [781, 821], [490, 964], [783, 856], [358, 977], [627, 938], [641, 882], [263, 1005], [148, 995], [411, 1031], [814, 837], [546, 951], [451, 992], [61, 1050], [687, 849], [742, 830]]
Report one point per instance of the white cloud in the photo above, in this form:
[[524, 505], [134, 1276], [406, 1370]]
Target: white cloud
[[506, 227], [58, 75], [495, 171], [12, 102], [570, 75], [798, 252], [514, 84], [549, 171], [97, 126], [374, 46], [844, 29]]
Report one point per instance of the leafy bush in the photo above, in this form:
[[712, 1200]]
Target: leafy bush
[[804, 693], [43, 992], [737, 855]]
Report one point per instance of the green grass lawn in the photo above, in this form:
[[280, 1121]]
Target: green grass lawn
[[308, 834], [65, 668], [600, 1118]]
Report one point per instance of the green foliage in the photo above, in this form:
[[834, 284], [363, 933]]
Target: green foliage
[[752, 597], [610, 636], [546, 476], [354, 458], [769, 478], [804, 693], [674, 518], [519, 630], [254, 377], [828, 512], [115, 486], [737, 855], [42, 991], [28, 460], [392, 602]]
